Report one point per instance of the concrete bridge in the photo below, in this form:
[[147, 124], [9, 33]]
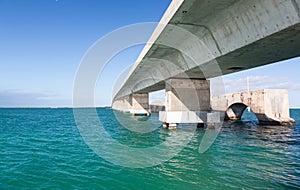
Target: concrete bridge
[[201, 39], [271, 106]]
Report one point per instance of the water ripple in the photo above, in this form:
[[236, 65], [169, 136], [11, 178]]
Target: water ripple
[[42, 149]]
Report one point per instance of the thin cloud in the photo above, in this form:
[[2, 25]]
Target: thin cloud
[[256, 83], [19, 98]]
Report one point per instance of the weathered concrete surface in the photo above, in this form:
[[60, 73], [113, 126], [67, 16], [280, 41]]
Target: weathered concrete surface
[[271, 106], [187, 95], [140, 104], [187, 101], [238, 34], [175, 117], [123, 104], [136, 104]]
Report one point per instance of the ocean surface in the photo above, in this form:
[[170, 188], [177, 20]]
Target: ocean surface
[[43, 149]]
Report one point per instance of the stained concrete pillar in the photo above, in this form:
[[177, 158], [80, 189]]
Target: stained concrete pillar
[[140, 104], [136, 104], [123, 104], [186, 101], [187, 95]]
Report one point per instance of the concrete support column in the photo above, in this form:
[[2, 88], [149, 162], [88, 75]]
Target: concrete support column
[[187, 101], [136, 104], [187, 95], [140, 104], [123, 104]]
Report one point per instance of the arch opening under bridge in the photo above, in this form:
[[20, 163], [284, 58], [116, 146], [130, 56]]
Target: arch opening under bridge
[[240, 111]]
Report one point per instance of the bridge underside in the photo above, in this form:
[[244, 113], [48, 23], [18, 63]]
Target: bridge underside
[[204, 39], [201, 39], [277, 47]]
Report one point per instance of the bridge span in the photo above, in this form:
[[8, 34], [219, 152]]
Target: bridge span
[[200, 39]]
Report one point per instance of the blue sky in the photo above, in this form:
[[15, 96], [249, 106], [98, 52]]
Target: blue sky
[[43, 41]]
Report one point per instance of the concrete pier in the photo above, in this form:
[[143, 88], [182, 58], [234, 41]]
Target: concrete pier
[[271, 106], [187, 101], [123, 104], [136, 104], [140, 104]]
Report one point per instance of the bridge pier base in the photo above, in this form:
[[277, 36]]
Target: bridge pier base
[[187, 101]]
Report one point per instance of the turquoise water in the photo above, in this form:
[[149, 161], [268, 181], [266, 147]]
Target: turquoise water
[[43, 149]]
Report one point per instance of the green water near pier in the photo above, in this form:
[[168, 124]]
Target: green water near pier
[[43, 149]]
